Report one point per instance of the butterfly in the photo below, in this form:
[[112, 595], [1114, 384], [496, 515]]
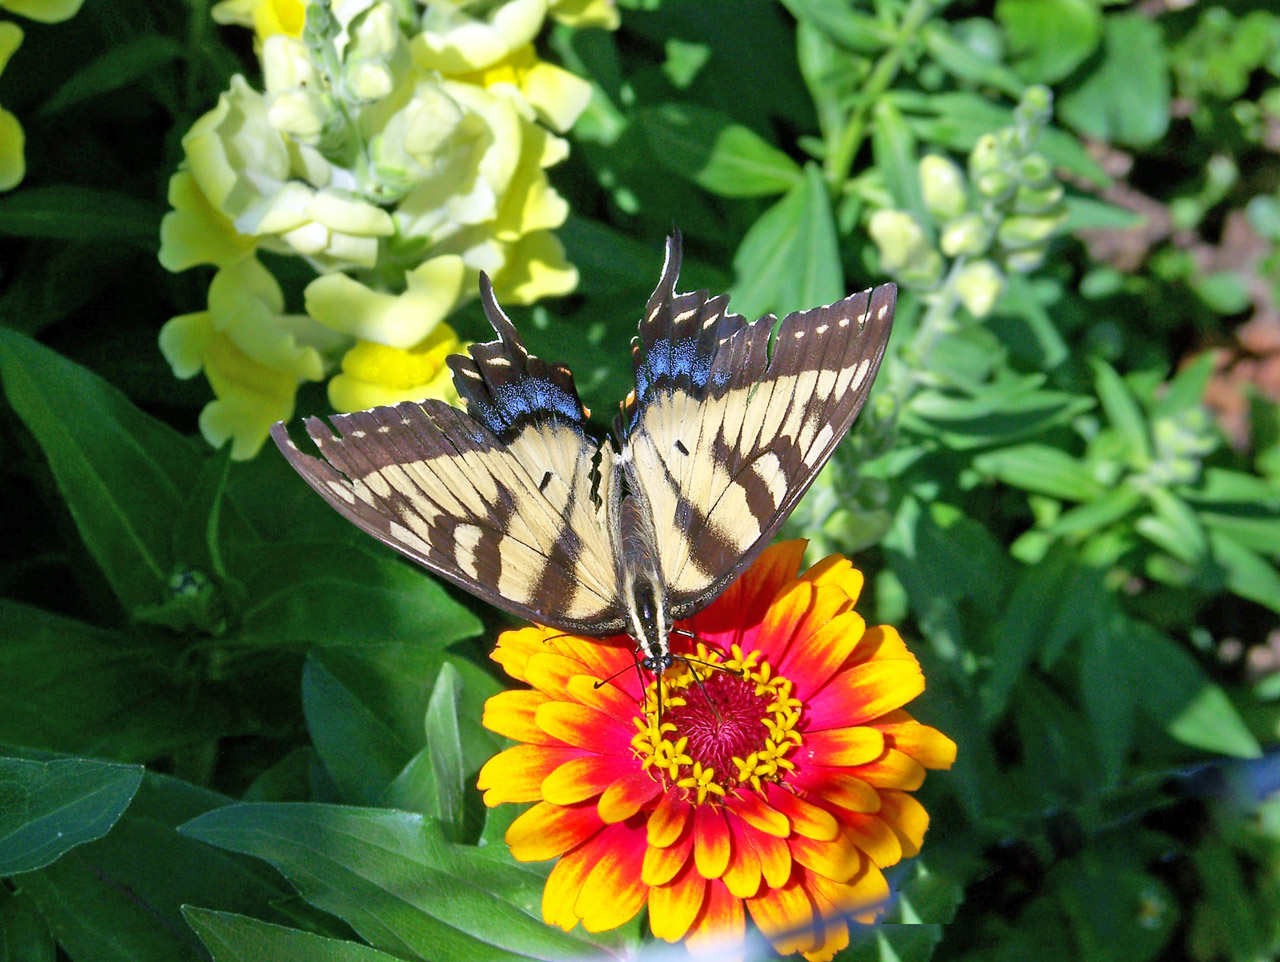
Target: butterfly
[[518, 502]]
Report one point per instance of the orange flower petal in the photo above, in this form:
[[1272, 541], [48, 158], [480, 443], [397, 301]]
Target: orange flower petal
[[546, 830], [838, 860], [928, 746], [710, 841], [585, 727], [668, 820], [836, 787], [785, 620], [907, 817], [774, 856], [835, 747], [721, 924], [751, 808], [627, 796], [806, 818], [822, 654], [744, 603], [514, 648], [881, 641], [516, 775], [613, 893], [551, 672], [742, 878], [662, 864], [510, 714], [839, 571], [563, 885], [873, 835], [867, 890], [673, 907], [893, 769], [785, 916], [584, 777], [609, 699], [864, 692]]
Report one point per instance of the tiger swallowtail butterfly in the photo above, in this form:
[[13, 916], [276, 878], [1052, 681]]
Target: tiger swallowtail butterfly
[[515, 500]]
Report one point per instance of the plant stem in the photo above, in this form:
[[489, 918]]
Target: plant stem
[[840, 159]]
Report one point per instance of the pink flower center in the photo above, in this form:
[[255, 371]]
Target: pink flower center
[[723, 719]]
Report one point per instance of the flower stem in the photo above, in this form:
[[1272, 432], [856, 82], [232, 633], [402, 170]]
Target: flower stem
[[840, 159]]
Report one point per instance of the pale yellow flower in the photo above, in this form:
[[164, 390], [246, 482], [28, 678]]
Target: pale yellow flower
[[556, 95], [196, 232], [453, 39], [252, 353], [586, 13], [45, 11], [536, 268], [268, 18], [432, 290], [13, 164], [374, 374]]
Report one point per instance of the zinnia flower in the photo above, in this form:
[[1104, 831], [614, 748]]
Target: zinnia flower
[[776, 784]]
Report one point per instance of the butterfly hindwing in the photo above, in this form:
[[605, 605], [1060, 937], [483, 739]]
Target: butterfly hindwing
[[724, 439], [509, 500]]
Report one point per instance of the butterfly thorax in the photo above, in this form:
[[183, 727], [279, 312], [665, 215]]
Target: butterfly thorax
[[643, 590]]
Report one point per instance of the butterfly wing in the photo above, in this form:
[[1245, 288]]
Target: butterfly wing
[[510, 500], [723, 439]]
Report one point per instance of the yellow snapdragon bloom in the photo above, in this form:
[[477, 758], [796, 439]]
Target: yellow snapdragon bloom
[[558, 96], [13, 164], [374, 374], [268, 18]]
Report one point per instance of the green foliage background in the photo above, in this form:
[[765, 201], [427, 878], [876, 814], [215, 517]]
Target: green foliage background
[[1083, 558]]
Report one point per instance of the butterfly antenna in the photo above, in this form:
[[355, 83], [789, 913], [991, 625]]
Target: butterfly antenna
[[698, 679], [621, 671]]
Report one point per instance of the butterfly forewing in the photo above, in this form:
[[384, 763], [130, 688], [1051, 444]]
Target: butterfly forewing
[[723, 449], [510, 499]]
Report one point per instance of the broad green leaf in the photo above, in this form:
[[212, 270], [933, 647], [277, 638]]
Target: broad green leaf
[[1042, 469], [1185, 391], [1049, 38], [1050, 604], [831, 73], [336, 593], [74, 213], [1125, 98], [444, 745], [123, 474], [964, 63], [1108, 706], [238, 938], [999, 414], [72, 687], [119, 67], [790, 259], [1089, 517], [1090, 213], [365, 708], [716, 153], [1176, 692], [1248, 574], [119, 899], [48, 808], [1223, 487], [24, 934], [397, 882], [1186, 537], [1254, 527], [1123, 413], [1020, 300], [849, 28]]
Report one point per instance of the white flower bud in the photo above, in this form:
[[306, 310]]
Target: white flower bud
[[300, 113], [369, 80], [944, 187], [979, 285], [899, 238], [969, 234]]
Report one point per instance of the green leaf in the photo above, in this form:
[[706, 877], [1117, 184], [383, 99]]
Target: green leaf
[[365, 708], [1108, 706], [1174, 527], [713, 151], [72, 687], [1125, 98], [1093, 515], [48, 808], [1176, 692], [444, 745], [1049, 38], [74, 213], [1248, 574], [965, 63], [1123, 412], [123, 474], [998, 413], [119, 899], [1020, 300], [1090, 213], [850, 29], [119, 67], [238, 938], [790, 258], [397, 882], [24, 934], [1043, 469], [331, 592]]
